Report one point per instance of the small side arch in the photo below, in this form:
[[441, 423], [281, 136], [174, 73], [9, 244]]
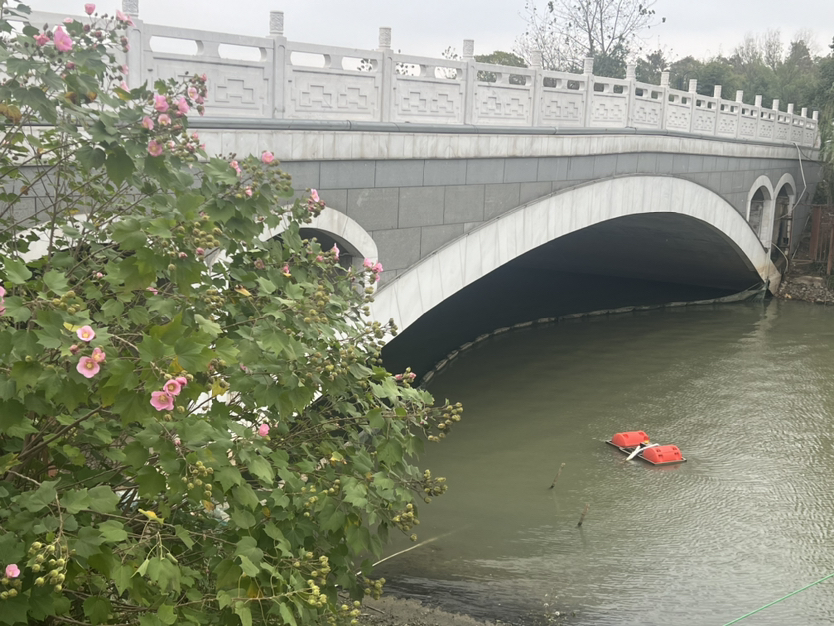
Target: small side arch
[[760, 208], [784, 202]]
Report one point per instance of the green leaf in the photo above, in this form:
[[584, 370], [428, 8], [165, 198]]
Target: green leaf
[[228, 574], [42, 497], [211, 328], [249, 568], [286, 614], [88, 542], [244, 613], [119, 165], [97, 608], [56, 281], [103, 499], [75, 501], [16, 271], [166, 614], [150, 482], [113, 531], [261, 468], [246, 496], [242, 518]]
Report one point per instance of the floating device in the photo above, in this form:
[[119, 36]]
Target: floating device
[[636, 443]]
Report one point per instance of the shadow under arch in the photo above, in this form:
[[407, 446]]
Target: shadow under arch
[[700, 239]]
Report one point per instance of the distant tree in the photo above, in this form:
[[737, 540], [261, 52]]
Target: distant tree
[[650, 66], [567, 31], [499, 57]]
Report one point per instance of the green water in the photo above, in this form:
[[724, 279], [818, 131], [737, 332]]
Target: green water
[[747, 393]]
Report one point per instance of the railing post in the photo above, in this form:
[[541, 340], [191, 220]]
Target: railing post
[[693, 89], [588, 72], [631, 77], [280, 61], [740, 103], [470, 78], [759, 121], [133, 58], [538, 86], [716, 93], [388, 68], [664, 94]]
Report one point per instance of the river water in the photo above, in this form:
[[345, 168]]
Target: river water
[[746, 391]]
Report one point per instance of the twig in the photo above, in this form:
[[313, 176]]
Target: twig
[[584, 513], [559, 473]]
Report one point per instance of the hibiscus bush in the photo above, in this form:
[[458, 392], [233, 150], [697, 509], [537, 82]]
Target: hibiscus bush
[[195, 426]]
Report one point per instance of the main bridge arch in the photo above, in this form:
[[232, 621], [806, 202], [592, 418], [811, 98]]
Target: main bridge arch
[[644, 200]]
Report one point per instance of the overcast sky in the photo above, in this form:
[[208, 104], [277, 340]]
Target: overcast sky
[[426, 27]]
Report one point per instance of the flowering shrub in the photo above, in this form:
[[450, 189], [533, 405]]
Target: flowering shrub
[[181, 441]]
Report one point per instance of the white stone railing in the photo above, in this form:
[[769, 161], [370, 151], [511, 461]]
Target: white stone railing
[[273, 78]]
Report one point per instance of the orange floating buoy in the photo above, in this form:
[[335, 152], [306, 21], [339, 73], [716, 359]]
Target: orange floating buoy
[[660, 455], [629, 439]]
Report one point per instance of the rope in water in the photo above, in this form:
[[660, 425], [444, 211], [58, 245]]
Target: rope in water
[[793, 593]]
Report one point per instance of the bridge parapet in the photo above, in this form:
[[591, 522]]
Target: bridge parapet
[[273, 78]]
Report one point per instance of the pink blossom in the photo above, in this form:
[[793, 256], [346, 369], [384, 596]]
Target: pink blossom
[[89, 9], [377, 268], [171, 144], [147, 123], [124, 86], [259, 264], [204, 77], [87, 367], [182, 106], [68, 20], [192, 93], [160, 103], [368, 263], [267, 157], [172, 387], [336, 251], [125, 70], [124, 18], [199, 100], [398, 377], [74, 348], [2, 292], [153, 290], [248, 191], [164, 119], [99, 275], [183, 255], [12, 571], [182, 380], [154, 148], [235, 167], [162, 401], [314, 196], [263, 430], [200, 251], [86, 333], [195, 136], [177, 441], [63, 43], [42, 39], [286, 271], [319, 258], [98, 355]]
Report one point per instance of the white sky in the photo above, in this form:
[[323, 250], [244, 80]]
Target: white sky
[[426, 27]]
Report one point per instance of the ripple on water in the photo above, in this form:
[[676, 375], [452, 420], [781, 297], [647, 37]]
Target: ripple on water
[[746, 392]]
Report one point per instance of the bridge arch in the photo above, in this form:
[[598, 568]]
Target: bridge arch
[[760, 208], [784, 202], [478, 252]]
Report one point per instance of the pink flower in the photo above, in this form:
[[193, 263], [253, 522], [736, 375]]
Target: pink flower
[[200, 251], [125, 70], [164, 119], [314, 196], [204, 77], [124, 18], [235, 167], [162, 401], [398, 377], [86, 333], [248, 191], [153, 290], [263, 430], [154, 148], [160, 103], [2, 292], [182, 106], [74, 348], [63, 43], [267, 157], [147, 123], [199, 100], [89, 9], [42, 39], [68, 20], [124, 86], [172, 387], [183, 255], [319, 258], [192, 93], [195, 136], [99, 275], [286, 271], [336, 251], [182, 380], [259, 264], [12, 571], [377, 268], [87, 367], [177, 441], [98, 355], [368, 263]]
